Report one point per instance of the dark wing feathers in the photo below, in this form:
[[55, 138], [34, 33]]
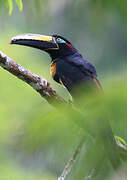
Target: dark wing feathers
[[85, 66]]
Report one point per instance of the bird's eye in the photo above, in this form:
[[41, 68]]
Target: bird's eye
[[59, 39]]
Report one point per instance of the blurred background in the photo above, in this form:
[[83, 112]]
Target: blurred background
[[35, 140]]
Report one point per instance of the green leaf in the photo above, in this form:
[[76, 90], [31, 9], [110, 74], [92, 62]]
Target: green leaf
[[20, 4], [121, 140], [10, 4]]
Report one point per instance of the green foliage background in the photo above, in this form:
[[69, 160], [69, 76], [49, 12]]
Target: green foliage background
[[37, 140]]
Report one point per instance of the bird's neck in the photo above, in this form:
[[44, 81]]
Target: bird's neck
[[57, 55]]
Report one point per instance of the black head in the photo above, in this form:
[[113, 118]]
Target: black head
[[65, 47], [56, 46]]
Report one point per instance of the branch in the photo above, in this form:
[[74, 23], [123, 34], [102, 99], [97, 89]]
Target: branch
[[36, 82], [71, 162]]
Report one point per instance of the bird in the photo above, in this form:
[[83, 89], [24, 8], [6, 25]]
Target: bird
[[70, 69]]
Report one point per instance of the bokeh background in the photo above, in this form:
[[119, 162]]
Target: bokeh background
[[35, 140]]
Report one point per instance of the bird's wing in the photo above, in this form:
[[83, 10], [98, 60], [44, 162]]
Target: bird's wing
[[85, 66]]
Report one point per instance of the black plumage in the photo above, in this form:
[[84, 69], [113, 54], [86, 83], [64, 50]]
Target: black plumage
[[73, 69]]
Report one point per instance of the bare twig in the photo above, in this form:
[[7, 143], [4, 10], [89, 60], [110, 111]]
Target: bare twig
[[71, 162]]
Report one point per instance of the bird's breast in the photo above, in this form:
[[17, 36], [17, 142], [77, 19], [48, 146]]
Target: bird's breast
[[53, 69]]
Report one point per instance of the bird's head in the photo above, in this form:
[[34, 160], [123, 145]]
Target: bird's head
[[57, 46]]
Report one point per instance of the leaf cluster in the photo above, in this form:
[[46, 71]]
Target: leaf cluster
[[10, 4]]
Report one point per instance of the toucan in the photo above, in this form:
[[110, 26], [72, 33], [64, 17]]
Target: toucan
[[69, 68]]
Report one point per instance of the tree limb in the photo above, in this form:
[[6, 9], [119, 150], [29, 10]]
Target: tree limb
[[36, 82]]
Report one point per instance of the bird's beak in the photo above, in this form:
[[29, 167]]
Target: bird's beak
[[35, 40]]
